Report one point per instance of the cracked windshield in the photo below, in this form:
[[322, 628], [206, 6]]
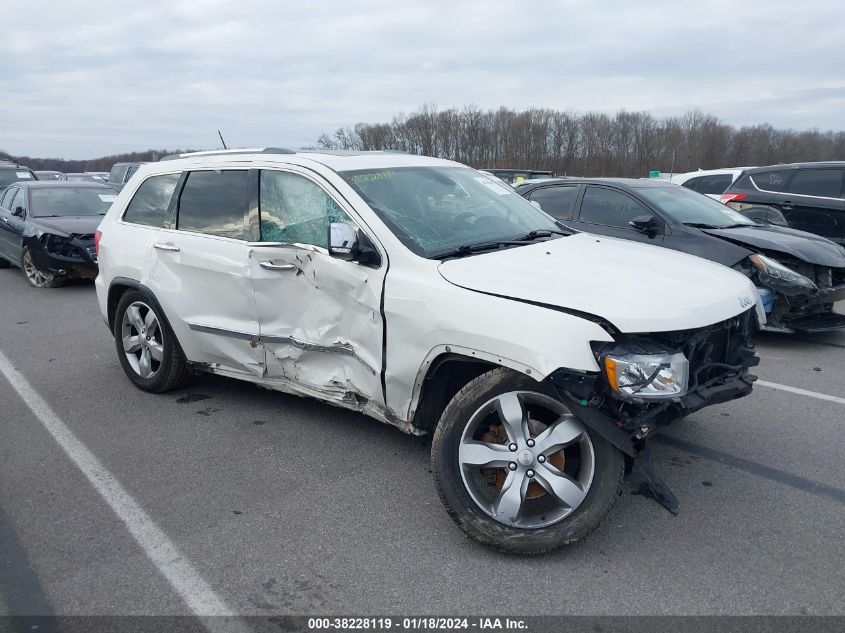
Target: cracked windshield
[[435, 210]]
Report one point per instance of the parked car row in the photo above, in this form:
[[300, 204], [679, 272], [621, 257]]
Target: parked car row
[[798, 275], [534, 331]]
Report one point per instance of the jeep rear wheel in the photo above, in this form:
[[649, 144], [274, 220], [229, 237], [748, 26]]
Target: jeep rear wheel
[[517, 470], [146, 347]]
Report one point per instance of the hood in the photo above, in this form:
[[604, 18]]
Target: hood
[[637, 287], [81, 225], [808, 247]]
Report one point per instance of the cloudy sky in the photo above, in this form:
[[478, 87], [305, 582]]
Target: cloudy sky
[[83, 79]]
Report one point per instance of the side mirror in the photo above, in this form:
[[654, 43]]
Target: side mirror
[[645, 224], [18, 212], [346, 242], [536, 204]]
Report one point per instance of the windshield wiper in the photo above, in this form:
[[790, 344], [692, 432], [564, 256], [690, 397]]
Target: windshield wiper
[[538, 233], [702, 225], [470, 249]]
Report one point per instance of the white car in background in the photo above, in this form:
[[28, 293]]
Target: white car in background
[[710, 182], [426, 295]]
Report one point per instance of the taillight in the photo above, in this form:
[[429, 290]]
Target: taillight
[[97, 237], [733, 197]]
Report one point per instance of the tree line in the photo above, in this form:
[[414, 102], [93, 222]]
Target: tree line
[[103, 163], [627, 144]]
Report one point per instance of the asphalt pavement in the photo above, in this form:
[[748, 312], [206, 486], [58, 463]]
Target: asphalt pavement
[[275, 504]]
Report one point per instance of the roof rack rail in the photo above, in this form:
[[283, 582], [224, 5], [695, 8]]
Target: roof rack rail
[[227, 152]]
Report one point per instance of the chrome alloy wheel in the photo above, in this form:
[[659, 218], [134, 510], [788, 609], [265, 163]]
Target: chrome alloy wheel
[[525, 460], [142, 339], [35, 276]]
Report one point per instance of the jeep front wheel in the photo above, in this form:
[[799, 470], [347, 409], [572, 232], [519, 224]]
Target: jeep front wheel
[[517, 470]]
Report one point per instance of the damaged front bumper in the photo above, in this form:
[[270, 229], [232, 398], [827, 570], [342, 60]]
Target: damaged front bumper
[[72, 257], [719, 356], [806, 313]]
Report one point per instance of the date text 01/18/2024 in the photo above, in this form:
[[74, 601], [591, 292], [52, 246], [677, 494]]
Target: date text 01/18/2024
[[416, 624]]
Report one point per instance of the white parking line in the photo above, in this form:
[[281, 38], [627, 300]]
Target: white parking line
[[162, 552], [801, 392]]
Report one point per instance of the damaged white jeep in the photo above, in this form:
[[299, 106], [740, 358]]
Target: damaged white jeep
[[426, 295]]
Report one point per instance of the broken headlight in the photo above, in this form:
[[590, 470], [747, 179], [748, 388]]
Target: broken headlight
[[647, 376], [777, 276]]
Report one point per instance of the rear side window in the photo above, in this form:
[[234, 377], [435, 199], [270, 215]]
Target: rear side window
[[149, 204], [714, 184], [610, 207], [826, 183], [295, 210], [214, 203], [770, 180], [556, 201]]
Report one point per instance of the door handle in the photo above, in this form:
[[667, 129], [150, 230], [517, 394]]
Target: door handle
[[166, 247], [787, 204], [272, 266]]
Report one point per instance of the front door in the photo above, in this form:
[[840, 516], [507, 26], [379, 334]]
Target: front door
[[319, 318], [608, 211], [11, 225]]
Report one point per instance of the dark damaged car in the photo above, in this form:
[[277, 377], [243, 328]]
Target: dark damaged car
[[798, 275], [47, 229]]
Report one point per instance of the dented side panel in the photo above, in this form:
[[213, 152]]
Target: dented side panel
[[320, 321], [206, 291]]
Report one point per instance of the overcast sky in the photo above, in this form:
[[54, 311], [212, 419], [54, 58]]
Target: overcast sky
[[84, 79]]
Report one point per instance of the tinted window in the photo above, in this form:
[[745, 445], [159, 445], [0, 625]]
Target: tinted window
[[71, 201], [556, 201], [715, 184], [150, 202], [214, 203], [295, 210], [817, 182], [116, 174], [610, 207], [692, 183], [770, 180]]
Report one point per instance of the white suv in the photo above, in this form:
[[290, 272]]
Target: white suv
[[428, 296]]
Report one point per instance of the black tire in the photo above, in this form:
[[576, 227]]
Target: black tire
[[172, 371], [34, 276], [606, 486]]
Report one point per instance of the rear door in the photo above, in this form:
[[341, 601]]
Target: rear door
[[608, 211], [202, 271], [813, 201], [319, 317]]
